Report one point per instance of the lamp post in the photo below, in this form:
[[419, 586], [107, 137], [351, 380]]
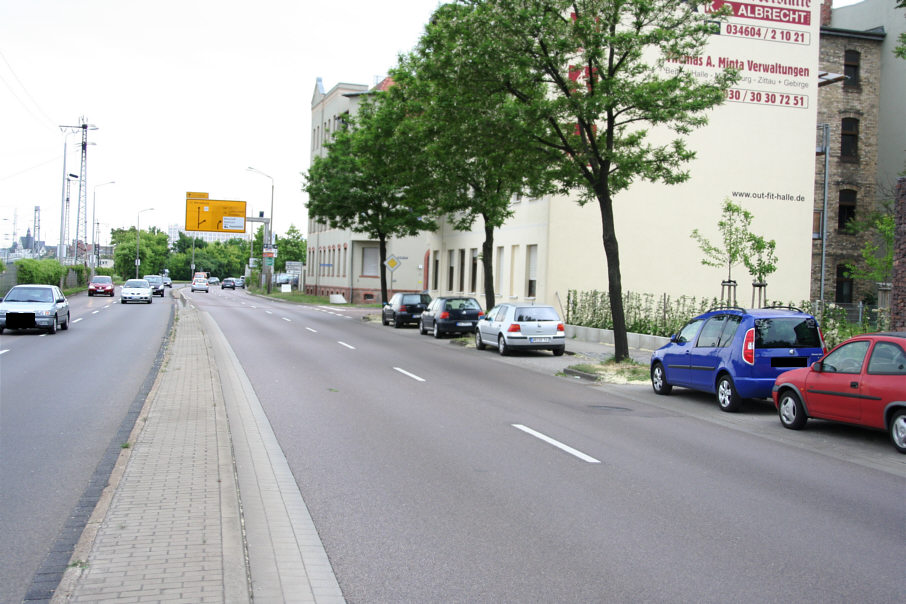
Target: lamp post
[[138, 238], [94, 217], [270, 228]]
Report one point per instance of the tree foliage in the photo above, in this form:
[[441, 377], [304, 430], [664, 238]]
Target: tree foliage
[[292, 246], [363, 183], [152, 247], [877, 251], [589, 76]]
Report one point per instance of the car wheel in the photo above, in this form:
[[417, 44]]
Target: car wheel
[[384, 320], [397, 323], [151, 299], [90, 294], [727, 397], [436, 332], [53, 326], [898, 430], [558, 351], [502, 348], [65, 325], [421, 327], [479, 344], [122, 301], [790, 409], [659, 380]]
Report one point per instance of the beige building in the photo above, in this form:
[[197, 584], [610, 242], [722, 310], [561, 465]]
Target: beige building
[[757, 150]]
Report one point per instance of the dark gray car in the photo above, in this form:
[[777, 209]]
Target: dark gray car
[[450, 315], [34, 307]]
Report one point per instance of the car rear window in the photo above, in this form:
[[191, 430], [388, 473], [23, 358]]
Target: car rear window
[[787, 332], [536, 313], [416, 299]]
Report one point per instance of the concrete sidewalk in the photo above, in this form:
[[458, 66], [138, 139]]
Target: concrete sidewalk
[[202, 506]]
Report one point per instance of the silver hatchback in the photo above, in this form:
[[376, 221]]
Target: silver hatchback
[[521, 327]]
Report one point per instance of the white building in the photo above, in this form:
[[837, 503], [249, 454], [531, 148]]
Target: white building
[[757, 150]]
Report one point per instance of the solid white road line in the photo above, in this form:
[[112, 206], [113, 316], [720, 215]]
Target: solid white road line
[[412, 375], [556, 443], [346, 345]]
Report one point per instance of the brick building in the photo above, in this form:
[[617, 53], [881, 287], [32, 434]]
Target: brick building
[[847, 190]]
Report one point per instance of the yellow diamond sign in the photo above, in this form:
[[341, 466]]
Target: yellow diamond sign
[[392, 263]]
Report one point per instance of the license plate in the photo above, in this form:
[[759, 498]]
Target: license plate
[[464, 324], [539, 340], [418, 316]]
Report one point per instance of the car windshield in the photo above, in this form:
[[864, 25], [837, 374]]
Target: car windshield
[[536, 313], [29, 294], [136, 283], [787, 332], [102, 279]]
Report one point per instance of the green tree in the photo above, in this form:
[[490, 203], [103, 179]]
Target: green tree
[[153, 249], [900, 49], [361, 184], [588, 74], [877, 252], [290, 247], [734, 226], [470, 155]]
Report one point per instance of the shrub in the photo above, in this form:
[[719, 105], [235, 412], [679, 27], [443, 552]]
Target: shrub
[[48, 272]]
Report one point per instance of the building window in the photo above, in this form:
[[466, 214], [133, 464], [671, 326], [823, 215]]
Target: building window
[[846, 208], [462, 270], [345, 258], [434, 277], [851, 61], [849, 139], [844, 292], [817, 224], [451, 268], [370, 262], [473, 275], [531, 271], [498, 271]]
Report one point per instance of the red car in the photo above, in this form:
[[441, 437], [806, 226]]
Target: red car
[[100, 285], [862, 382]]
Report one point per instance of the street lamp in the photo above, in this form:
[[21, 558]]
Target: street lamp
[[270, 228], [138, 238], [94, 217]]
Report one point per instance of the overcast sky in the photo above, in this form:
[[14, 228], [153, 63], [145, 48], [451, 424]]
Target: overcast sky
[[186, 94]]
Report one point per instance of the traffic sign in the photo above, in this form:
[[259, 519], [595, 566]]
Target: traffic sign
[[392, 263], [216, 215]]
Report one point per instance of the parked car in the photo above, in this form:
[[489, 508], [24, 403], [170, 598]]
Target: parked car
[[136, 290], [737, 353], [100, 285], [228, 283], [450, 315], [213, 280], [862, 382], [404, 308], [240, 282], [34, 306], [200, 284], [168, 282], [157, 284], [521, 327]]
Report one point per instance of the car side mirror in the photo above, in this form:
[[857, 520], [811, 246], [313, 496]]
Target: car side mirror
[[673, 338], [818, 367], [61, 299]]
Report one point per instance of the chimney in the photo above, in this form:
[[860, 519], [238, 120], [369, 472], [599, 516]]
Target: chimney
[[827, 7]]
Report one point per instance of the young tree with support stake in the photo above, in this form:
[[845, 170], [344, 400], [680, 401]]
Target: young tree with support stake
[[362, 182], [587, 74]]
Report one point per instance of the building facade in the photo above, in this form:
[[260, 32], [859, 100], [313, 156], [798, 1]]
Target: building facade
[[847, 189]]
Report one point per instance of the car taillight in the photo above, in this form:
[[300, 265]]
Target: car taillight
[[748, 347], [445, 315], [480, 314], [514, 327], [403, 308], [560, 327]]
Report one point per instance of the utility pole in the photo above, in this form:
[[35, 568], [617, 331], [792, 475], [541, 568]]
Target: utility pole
[[81, 233]]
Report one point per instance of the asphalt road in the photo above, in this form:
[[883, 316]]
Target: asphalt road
[[63, 398], [435, 472]]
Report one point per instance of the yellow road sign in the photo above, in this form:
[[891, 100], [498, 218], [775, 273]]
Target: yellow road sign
[[191, 195], [216, 215]]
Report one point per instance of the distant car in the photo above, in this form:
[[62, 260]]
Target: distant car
[[168, 282], [228, 283], [100, 285], [200, 284], [136, 290], [521, 327], [240, 282], [34, 307], [450, 315], [862, 382], [736, 353], [404, 308], [157, 284], [213, 280]]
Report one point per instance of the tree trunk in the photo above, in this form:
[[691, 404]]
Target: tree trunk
[[382, 252], [614, 281], [487, 263]]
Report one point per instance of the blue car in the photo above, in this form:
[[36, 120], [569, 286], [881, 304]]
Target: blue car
[[737, 353]]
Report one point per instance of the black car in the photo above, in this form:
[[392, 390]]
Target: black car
[[404, 308], [157, 284], [450, 315], [228, 283]]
